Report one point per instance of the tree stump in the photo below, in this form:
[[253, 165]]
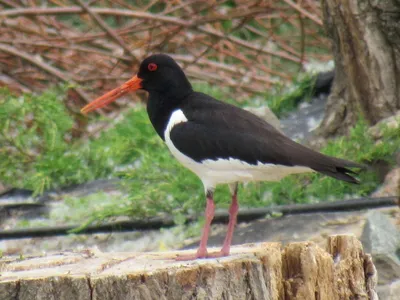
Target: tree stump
[[366, 46], [253, 271]]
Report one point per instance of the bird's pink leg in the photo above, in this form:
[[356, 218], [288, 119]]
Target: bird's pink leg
[[209, 214], [233, 211]]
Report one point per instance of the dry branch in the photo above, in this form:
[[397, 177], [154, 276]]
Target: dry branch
[[248, 46], [106, 28], [49, 69]]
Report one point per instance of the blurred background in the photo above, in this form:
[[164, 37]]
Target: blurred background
[[69, 181]]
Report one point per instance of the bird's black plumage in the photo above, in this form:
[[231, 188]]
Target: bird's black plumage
[[219, 142], [217, 130]]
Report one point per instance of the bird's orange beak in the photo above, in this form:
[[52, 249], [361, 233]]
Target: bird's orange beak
[[132, 84]]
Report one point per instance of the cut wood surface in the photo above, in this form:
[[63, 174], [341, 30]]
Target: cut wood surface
[[253, 271]]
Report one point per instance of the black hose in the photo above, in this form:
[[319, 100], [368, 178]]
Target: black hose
[[245, 215]]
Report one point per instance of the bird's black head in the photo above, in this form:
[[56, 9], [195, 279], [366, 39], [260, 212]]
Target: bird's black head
[[161, 74], [158, 74]]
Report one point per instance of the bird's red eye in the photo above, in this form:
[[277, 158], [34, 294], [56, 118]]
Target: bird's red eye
[[152, 67]]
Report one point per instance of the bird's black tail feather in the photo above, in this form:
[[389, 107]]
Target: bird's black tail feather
[[339, 168], [331, 166], [341, 174]]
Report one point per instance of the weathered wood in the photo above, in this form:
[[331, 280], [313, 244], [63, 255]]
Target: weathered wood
[[366, 46], [254, 271]]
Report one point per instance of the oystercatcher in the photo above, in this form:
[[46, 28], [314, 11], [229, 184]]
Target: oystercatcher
[[219, 142]]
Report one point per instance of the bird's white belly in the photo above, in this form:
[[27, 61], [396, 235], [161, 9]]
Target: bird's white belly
[[213, 172], [231, 170]]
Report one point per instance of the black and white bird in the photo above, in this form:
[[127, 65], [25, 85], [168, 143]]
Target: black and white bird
[[219, 142]]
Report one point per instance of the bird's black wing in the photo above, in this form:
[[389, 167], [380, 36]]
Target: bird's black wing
[[201, 142], [216, 130]]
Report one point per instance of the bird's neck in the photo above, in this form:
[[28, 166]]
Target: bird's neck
[[160, 107]]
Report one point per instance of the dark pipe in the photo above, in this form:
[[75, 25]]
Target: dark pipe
[[245, 215]]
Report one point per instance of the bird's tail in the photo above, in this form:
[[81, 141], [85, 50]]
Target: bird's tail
[[334, 167], [339, 169]]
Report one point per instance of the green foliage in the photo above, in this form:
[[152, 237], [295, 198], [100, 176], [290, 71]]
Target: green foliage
[[282, 101], [33, 133], [37, 153]]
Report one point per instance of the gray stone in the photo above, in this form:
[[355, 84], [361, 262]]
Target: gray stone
[[389, 291], [392, 122], [381, 239], [380, 235], [299, 124], [388, 266], [390, 186]]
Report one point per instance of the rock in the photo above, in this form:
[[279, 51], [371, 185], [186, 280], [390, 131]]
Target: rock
[[302, 124], [380, 235], [388, 266], [381, 238], [391, 122], [390, 291], [390, 186]]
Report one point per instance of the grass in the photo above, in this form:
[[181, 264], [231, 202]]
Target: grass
[[155, 182], [38, 151], [282, 100]]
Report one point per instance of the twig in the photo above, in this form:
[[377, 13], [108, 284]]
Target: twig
[[72, 47], [304, 12], [49, 69], [302, 42], [147, 16], [107, 29], [9, 3], [237, 46], [103, 11]]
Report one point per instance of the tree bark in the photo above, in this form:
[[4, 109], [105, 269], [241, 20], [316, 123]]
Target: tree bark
[[255, 271], [366, 46]]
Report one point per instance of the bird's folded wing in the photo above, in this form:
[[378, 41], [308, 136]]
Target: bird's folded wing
[[201, 142]]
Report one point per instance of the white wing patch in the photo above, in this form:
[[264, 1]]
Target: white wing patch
[[176, 117], [213, 172]]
